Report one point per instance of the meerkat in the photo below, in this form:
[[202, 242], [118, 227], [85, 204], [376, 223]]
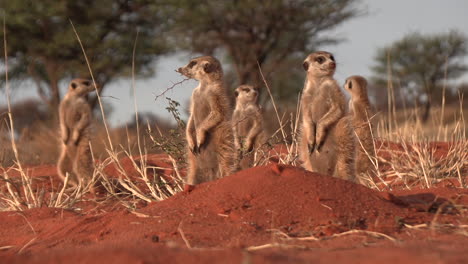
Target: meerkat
[[360, 112], [247, 124], [209, 133], [326, 142], [75, 121]]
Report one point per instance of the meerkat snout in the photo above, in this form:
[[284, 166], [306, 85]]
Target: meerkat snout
[[202, 68]]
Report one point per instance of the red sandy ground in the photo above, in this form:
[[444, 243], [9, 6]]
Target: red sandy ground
[[222, 221]]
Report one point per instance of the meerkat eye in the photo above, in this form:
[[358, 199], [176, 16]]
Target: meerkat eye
[[192, 63], [332, 58], [350, 86], [73, 85], [86, 83], [305, 65], [320, 60]]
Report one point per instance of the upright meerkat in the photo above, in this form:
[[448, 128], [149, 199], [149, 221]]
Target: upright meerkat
[[75, 121], [209, 133], [326, 142], [247, 124], [360, 111]]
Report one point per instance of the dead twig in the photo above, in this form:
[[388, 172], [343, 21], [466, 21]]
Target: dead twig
[[170, 88]]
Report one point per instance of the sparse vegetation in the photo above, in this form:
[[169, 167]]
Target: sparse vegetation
[[144, 162]]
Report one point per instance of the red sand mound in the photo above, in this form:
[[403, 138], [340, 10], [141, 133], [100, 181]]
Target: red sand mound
[[254, 207], [295, 201]]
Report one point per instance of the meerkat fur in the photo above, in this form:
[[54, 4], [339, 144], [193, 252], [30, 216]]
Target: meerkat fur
[[361, 113], [75, 124], [247, 123], [326, 143], [209, 135]]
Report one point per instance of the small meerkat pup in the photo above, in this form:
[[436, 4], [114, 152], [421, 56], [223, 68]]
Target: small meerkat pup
[[75, 120], [209, 133], [247, 124], [326, 143], [360, 111]]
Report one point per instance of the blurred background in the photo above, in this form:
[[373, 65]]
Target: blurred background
[[413, 53]]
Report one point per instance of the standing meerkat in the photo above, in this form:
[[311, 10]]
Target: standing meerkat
[[75, 121], [209, 135], [247, 124], [360, 112], [326, 142]]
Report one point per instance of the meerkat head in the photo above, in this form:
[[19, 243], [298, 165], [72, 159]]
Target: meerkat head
[[246, 94], [202, 68], [319, 64], [356, 85], [80, 87]]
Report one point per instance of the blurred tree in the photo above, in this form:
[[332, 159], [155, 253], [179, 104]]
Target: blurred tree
[[271, 32], [25, 113], [419, 63], [43, 47]]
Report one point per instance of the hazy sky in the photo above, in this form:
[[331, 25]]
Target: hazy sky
[[385, 22]]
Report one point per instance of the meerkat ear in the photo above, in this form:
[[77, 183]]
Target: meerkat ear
[[73, 85], [236, 94], [209, 67], [305, 65]]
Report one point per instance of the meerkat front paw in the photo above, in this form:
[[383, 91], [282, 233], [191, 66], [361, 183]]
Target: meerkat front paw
[[248, 145], [201, 137], [311, 146], [191, 145], [320, 138], [65, 139], [75, 137], [312, 139]]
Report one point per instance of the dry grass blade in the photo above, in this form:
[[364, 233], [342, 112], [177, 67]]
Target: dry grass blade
[[142, 215], [275, 245], [364, 232], [272, 99], [3, 248], [27, 245], [95, 86], [181, 232]]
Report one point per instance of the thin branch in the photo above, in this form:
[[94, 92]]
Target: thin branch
[[170, 88]]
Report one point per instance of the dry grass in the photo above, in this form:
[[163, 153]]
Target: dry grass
[[411, 157]]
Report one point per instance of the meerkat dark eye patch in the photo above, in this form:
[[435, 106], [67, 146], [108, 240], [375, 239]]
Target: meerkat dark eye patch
[[320, 59], [192, 63], [332, 58], [86, 83], [73, 85], [247, 90], [305, 65], [350, 85]]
